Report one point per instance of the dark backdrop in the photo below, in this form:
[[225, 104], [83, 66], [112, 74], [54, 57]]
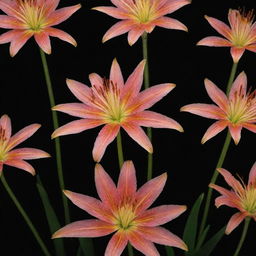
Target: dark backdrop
[[173, 57]]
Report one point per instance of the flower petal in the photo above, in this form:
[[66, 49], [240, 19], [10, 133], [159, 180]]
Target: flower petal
[[228, 201], [236, 53], [6, 126], [239, 86], [106, 135], [214, 41], [172, 6], [10, 22], [116, 74], [116, 244], [252, 175], [223, 191], [234, 221], [85, 228], [43, 41], [134, 34], [112, 11], [250, 127], [9, 7], [96, 80], [235, 131], [27, 153], [23, 165], [170, 23]]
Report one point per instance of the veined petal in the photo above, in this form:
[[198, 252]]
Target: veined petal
[[6, 126], [250, 127], [62, 14], [116, 74], [160, 215], [8, 36], [27, 153], [234, 221], [148, 193], [22, 135], [85, 228], [112, 11], [162, 236], [23, 165], [205, 110], [239, 86], [236, 53], [251, 47], [137, 134], [43, 41], [51, 5], [223, 191], [106, 188], [252, 175], [122, 4], [170, 23], [172, 6], [127, 182], [214, 129], [217, 95], [235, 131], [89, 204], [104, 138], [96, 80], [134, 34], [10, 22], [116, 244], [223, 200], [9, 7], [76, 127], [214, 41]]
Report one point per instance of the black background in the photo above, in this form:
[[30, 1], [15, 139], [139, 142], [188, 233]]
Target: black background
[[173, 57]]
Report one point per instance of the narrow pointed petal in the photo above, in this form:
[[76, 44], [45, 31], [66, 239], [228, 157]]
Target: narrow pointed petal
[[127, 183], [116, 74], [106, 188], [51, 5], [96, 80], [223, 191], [148, 193], [62, 35], [170, 23], [134, 34], [205, 110], [223, 200], [217, 95], [239, 85], [214, 41], [252, 175], [23, 165], [137, 134], [89, 204], [250, 127], [85, 228], [9, 22], [9, 7], [214, 129], [160, 215], [172, 6], [122, 4], [8, 36], [116, 244], [27, 153], [112, 11], [234, 221], [156, 120], [5, 124], [162, 236], [43, 41], [251, 47], [76, 126], [236, 53], [22, 135], [107, 134], [150, 96], [235, 132]]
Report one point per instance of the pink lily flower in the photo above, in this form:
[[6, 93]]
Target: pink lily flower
[[240, 36], [115, 104], [236, 111], [33, 18], [242, 197], [16, 157], [139, 16], [124, 209]]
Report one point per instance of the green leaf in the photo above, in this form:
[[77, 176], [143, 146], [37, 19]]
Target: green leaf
[[86, 247], [169, 251], [52, 219], [190, 231], [202, 238]]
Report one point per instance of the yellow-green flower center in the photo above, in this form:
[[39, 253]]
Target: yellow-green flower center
[[125, 217], [2, 144], [249, 201]]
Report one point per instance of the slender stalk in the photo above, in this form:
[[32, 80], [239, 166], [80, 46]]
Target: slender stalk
[[130, 250], [120, 150], [57, 140], [146, 85], [231, 77], [25, 216], [246, 225]]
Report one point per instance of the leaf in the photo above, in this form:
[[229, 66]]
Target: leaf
[[52, 219], [190, 231], [202, 238], [86, 247], [169, 251]]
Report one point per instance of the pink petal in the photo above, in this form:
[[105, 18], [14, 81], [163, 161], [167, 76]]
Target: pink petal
[[6, 126], [137, 134], [251, 47], [107, 134], [252, 175], [234, 221], [43, 41], [214, 41], [27, 153], [239, 86], [148, 193], [21, 165], [235, 132], [213, 130], [62, 14], [236, 53], [123, 4], [160, 215], [172, 6], [223, 191], [250, 127], [219, 26], [162, 236], [112, 11], [150, 96], [85, 228], [127, 182], [10, 22], [96, 80], [9, 7], [170, 23], [50, 5], [134, 34], [217, 95], [116, 74], [22, 135], [205, 110], [8, 36], [223, 200], [106, 188], [89, 204], [116, 244]]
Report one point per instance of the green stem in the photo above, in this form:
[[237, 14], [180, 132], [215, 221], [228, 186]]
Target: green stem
[[146, 85], [246, 225], [25, 216], [130, 250], [120, 150], [231, 77], [57, 140]]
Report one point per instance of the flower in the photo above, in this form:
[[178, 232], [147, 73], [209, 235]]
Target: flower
[[236, 111], [15, 157], [27, 18], [242, 197], [124, 209], [115, 104], [240, 36], [139, 16]]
